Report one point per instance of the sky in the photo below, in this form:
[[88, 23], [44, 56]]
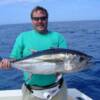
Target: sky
[[18, 11]]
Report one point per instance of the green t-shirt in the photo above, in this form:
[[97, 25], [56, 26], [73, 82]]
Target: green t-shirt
[[32, 40]]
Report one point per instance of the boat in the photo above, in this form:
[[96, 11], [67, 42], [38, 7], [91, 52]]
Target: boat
[[73, 94]]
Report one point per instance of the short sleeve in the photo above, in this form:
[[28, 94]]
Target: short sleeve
[[62, 43], [17, 51]]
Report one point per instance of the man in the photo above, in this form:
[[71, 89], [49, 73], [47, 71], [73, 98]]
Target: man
[[39, 39]]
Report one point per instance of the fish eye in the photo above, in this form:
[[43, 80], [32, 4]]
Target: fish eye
[[81, 59]]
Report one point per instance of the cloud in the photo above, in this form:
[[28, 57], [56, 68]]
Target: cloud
[[3, 2]]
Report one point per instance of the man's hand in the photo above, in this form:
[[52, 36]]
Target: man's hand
[[5, 64]]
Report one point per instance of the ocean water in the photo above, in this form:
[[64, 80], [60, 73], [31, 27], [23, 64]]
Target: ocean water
[[80, 35]]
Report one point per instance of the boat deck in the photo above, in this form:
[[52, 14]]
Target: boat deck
[[73, 94]]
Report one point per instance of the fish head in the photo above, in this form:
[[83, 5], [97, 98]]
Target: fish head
[[74, 62]]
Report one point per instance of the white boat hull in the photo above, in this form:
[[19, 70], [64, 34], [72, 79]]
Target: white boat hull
[[73, 94]]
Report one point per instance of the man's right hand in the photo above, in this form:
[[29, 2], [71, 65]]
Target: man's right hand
[[5, 64]]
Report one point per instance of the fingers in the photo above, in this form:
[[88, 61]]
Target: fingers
[[5, 64], [0, 64]]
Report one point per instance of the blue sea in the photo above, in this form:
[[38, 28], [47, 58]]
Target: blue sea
[[81, 35]]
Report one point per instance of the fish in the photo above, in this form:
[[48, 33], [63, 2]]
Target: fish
[[54, 60]]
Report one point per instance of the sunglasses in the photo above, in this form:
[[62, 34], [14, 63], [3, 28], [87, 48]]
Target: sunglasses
[[39, 18]]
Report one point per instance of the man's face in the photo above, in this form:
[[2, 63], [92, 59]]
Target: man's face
[[40, 21]]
